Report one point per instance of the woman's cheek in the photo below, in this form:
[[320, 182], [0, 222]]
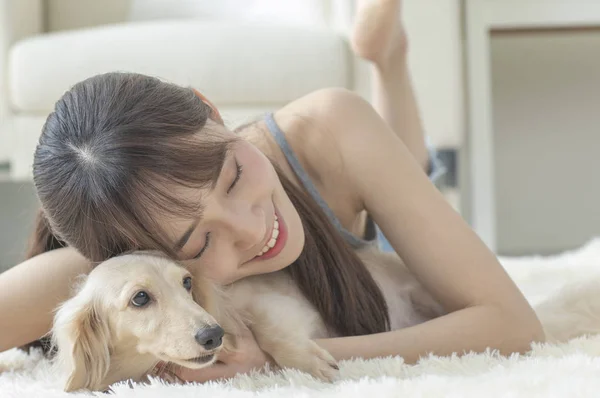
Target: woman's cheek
[[213, 272], [259, 165], [221, 268]]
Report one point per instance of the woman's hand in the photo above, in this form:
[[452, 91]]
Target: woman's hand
[[248, 356]]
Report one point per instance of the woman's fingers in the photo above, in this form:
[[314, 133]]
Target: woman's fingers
[[214, 372], [247, 356]]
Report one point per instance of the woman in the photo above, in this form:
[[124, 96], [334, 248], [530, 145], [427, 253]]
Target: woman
[[128, 162]]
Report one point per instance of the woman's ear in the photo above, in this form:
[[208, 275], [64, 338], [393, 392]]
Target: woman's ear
[[81, 335], [215, 113]]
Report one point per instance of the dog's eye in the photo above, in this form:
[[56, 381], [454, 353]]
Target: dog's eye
[[140, 299], [187, 283]]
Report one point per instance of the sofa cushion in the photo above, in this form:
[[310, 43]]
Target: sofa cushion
[[230, 63]]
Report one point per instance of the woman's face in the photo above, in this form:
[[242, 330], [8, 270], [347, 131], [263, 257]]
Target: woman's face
[[247, 225]]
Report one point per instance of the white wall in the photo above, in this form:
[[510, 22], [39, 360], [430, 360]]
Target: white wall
[[546, 110]]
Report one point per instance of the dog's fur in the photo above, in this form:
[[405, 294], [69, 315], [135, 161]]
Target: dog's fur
[[572, 312], [102, 338]]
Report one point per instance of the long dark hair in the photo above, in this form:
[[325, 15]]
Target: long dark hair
[[106, 162]]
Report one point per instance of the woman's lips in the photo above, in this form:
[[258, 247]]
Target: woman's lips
[[280, 240]]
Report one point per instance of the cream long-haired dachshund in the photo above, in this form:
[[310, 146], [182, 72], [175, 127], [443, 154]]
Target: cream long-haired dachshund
[[134, 311]]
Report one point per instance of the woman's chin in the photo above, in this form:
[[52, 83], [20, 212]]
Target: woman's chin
[[295, 241]]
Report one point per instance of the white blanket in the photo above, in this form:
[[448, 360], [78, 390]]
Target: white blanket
[[549, 370]]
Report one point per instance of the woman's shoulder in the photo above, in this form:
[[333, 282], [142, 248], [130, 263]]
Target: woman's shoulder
[[310, 122], [314, 126], [322, 113]]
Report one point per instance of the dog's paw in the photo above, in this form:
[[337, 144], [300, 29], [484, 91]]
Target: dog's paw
[[321, 364], [304, 355]]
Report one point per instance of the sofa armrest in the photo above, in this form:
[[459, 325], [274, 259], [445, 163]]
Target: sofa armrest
[[18, 19]]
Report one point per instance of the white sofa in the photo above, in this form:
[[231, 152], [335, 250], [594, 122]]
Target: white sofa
[[247, 61], [248, 56]]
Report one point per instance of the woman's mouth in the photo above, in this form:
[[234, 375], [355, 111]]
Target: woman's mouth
[[277, 241]]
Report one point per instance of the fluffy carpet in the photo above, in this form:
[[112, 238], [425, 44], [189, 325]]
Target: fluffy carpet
[[548, 370]]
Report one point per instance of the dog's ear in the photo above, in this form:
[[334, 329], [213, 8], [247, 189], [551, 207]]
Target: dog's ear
[[83, 340]]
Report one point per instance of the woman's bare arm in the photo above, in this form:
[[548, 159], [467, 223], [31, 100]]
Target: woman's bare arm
[[30, 291], [447, 257]]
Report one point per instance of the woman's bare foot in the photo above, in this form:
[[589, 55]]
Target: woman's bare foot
[[378, 34]]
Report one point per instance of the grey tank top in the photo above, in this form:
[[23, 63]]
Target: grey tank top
[[355, 241]]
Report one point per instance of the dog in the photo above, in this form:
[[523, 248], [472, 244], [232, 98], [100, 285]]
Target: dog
[[572, 311], [136, 310]]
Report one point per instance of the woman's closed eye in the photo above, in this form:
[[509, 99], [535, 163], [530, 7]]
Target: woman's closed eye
[[206, 243], [238, 174]]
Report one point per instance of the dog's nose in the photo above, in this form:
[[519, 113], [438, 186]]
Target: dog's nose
[[211, 337]]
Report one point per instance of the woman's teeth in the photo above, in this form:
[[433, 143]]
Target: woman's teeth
[[271, 243]]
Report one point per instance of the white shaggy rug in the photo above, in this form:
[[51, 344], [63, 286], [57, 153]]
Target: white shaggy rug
[[563, 370]]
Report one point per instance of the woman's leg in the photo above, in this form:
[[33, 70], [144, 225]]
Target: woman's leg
[[380, 38]]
